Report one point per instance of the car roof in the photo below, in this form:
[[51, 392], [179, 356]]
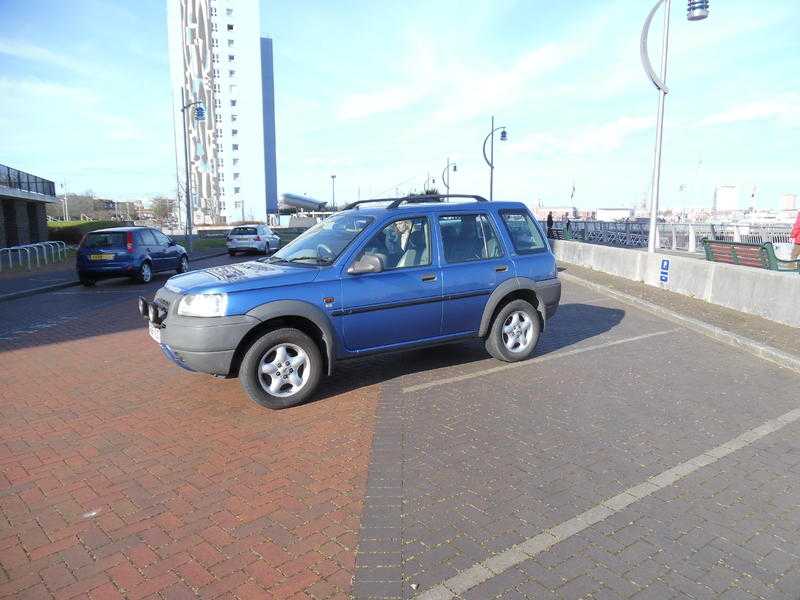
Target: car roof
[[436, 207], [120, 229]]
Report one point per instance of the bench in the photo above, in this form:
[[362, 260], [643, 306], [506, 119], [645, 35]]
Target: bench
[[561, 234], [761, 256]]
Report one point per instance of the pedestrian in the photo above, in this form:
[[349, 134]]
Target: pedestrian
[[550, 224], [796, 239]]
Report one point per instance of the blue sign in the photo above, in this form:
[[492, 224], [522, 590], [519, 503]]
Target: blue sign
[[664, 270], [199, 113]]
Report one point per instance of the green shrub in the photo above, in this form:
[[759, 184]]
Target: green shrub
[[72, 232]]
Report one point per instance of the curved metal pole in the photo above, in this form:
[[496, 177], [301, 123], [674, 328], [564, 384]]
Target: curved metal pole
[[486, 158], [660, 84], [491, 162], [446, 180]]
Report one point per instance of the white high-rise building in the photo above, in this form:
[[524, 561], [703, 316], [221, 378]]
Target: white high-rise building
[[219, 60], [726, 198]]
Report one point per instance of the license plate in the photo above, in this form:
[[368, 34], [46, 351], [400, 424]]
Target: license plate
[[155, 332], [101, 256]]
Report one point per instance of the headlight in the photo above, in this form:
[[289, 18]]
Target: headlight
[[203, 305]]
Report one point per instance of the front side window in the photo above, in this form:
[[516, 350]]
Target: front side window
[[468, 237], [161, 239], [401, 244], [325, 241], [523, 231]]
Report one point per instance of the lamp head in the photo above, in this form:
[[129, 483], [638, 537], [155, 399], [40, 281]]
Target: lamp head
[[503, 135], [697, 10]]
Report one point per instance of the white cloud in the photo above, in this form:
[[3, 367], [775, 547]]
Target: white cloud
[[26, 51], [585, 140], [359, 106], [784, 108], [25, 90]]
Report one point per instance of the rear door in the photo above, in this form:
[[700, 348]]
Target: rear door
[[474, 263], [403, 303], [150, 248], [168, 254]]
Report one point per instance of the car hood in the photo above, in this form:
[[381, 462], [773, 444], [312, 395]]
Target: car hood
[[240, 277]]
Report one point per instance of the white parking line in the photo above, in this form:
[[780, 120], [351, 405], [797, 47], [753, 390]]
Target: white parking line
[[523, 551], [538, 359]]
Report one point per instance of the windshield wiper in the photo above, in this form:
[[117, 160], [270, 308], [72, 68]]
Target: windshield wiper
[[319, 260]]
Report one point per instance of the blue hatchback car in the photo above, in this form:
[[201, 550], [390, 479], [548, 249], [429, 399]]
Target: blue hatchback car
[[135, 252], [380, 276]]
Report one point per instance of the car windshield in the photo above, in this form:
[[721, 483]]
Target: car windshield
[[325, 241]]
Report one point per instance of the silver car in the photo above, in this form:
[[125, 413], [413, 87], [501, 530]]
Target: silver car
[[252, 238]]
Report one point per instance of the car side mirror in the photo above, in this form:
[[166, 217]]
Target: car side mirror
[[172, 243], [369, 263]]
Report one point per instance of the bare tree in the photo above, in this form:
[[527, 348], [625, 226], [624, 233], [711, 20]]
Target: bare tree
[[163, 209]]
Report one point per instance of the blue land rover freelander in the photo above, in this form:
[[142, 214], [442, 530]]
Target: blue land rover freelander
[[380, 276]]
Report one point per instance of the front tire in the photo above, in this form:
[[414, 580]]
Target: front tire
[[87, 281], [231, 253], [514, 332], [145, 274], [281, 369]]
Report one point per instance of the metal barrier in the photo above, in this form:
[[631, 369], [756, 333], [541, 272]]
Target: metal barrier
[[39, 250], [685, 237]]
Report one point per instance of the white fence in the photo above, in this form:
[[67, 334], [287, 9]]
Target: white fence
[[40, 252]]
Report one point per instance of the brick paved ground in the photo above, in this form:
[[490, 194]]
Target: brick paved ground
[[121, 475]]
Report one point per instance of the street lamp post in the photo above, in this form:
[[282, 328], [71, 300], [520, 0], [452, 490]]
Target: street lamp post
[[186, 142], [490, 161], [333, 191], [446, 174], [697, 10]]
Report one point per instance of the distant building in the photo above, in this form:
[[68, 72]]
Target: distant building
[[726, 198], [614, 214], [23, 202], [219, 59], [789, 202]]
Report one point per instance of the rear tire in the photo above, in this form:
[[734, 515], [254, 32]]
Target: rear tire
[[514, 332], [281, 369], [231, 253], [86, 281], [183, 264], [145, 274]]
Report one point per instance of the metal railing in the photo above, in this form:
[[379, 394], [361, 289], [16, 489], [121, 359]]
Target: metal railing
[[39, 252], [20, 180], [672, 236]]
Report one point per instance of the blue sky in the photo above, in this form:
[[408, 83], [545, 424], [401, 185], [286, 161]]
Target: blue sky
[[381, 93]]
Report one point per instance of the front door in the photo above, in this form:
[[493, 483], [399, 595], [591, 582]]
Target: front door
[[401, 304], [473, 265]]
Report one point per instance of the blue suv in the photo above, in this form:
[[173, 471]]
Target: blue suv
[[135, 252], [380, 276]]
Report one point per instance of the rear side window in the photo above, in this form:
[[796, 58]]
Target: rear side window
[[523, 232], [468, 237], [147, 238], [115, 239], [244, 231], [161, 239]]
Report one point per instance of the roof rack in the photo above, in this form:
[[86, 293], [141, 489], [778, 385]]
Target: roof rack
[[395, 202]]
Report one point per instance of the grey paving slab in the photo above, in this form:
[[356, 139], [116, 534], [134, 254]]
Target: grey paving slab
[[490, 461]]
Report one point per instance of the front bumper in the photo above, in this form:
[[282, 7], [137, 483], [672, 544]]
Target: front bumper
[[205, 345]]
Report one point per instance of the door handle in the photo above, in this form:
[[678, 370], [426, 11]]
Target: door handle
[[430, 277], [501, 269]]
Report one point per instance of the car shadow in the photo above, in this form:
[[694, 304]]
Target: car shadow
[[573, 323]]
